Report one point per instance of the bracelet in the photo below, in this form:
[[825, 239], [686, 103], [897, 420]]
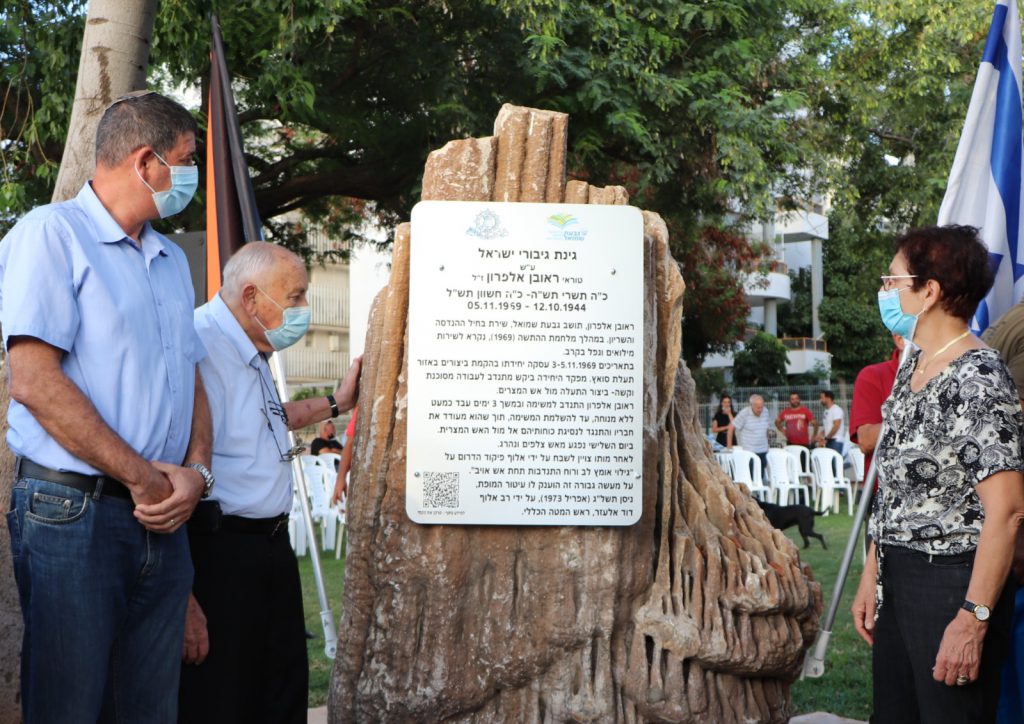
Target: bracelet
[[334, 406]]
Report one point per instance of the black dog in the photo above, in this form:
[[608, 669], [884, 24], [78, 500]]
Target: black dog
[[783, 516]]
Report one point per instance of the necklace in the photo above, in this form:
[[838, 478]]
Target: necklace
[[946, 346]]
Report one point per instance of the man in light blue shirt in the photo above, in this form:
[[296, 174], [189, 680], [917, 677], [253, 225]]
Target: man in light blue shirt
[[107, 408], [245, 647]]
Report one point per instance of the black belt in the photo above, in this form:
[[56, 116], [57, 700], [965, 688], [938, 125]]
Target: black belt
[[89, 484], [263, 526]]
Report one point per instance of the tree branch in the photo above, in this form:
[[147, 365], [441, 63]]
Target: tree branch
[[361, 182]]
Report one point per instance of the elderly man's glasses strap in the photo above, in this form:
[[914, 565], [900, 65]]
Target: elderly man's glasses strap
[[889, 281], [273, 407]]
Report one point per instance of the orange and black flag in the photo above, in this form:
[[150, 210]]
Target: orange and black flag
[[231, 215]]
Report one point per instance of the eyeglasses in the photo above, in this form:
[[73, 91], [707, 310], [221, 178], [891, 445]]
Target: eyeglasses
[[272, 407], [889, 280]]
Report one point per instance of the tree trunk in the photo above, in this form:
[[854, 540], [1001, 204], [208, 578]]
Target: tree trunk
[[10, 608], [701, 612], [115, 54]]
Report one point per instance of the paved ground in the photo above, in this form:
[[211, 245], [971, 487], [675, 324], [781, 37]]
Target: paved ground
[[319, 716]]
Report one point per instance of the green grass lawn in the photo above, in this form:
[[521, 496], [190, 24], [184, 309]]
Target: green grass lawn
[[334, 578], [844, 690]]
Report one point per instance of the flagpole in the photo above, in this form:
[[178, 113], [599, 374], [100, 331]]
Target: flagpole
[[326, 615]]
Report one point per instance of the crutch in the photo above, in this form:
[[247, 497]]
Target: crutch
[[326, 615]]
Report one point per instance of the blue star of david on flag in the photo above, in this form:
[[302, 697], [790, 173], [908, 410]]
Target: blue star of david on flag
[[984, 188]]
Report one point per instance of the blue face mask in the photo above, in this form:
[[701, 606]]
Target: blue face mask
[[294, 325], [893, 317], [184, 181]]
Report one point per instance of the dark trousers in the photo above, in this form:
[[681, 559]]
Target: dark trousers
[[257, 671], [921, 598]]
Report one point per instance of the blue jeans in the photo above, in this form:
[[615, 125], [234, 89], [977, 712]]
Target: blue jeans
[[103, 601]]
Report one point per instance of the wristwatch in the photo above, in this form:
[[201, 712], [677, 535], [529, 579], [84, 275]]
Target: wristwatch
[[980, 611], [208, 479]]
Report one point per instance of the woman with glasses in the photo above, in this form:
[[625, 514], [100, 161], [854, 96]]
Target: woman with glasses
[[932, 599]]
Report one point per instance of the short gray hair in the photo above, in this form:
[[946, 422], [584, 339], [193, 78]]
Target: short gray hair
[[254, 262], [756, 397], [137, 120]]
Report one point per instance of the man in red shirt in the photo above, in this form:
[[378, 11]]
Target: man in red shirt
[[795, 421], [870, 390]]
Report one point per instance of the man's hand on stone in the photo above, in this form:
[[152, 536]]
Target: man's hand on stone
[[170, 514], [348, 391]]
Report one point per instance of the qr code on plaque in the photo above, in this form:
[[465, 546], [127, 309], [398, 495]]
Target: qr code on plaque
[[440, 490]]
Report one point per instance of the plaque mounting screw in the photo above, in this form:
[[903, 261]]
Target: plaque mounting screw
[[441, 268], [613, 272], [416, 474], [637, 476]]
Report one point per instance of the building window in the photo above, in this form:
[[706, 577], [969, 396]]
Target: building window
[[334, 342]]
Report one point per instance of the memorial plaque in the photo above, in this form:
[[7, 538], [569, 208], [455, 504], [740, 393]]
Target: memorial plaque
[[525, 401]]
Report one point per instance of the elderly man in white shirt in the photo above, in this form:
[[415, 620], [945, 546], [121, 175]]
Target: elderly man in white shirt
[[245, 649], [751, 427]]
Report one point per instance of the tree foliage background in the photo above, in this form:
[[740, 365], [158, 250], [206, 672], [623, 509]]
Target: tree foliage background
[[711, 113], [761, 362]]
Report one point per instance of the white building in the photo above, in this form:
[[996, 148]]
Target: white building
[[321, 358], [796, 239]]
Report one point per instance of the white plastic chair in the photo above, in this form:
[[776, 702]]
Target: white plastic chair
[[857, 468], [746, 469], [297, 527], [331, 461], [784, 479], [317, 477], [340, 539], [725, 460], [803, 460], [828, 469]]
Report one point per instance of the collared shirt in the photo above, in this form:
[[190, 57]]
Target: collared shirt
[[752, 430], [252, 481], [70, 277]]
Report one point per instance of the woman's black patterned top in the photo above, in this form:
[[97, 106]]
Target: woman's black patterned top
[[963, 426]]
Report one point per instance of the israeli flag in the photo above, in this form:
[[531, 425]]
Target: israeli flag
[[984, 187]]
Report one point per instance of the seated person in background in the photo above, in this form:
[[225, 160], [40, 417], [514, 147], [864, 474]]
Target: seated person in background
[[325, 442]]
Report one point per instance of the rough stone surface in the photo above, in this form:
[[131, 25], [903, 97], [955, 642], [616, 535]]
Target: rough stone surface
[[700, 612]]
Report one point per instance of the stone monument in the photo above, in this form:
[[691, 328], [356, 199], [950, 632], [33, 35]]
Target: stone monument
[[700, 612]]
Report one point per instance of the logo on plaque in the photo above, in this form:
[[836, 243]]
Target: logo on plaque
[[487, 225], [561, 228]]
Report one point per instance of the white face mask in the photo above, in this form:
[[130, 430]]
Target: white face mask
[[184, 182]]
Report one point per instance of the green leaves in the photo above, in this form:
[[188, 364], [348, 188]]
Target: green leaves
[[761, 362]]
